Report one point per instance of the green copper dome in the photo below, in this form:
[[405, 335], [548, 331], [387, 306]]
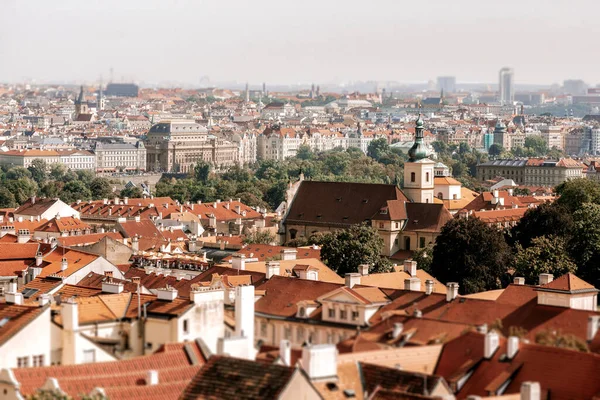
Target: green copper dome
[[418, 151]]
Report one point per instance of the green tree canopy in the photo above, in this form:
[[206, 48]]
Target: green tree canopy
[[585, 243], [133, 192], [101, 188], [7, 199], [39, 171], [546, 255], [344, 250], [574, 193], [378, 148], [305, 153], [459, 255], [545, 220], [75, 190], [202, 171], [495, 150], [537, 145]]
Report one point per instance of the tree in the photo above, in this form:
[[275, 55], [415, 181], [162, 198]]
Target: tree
[[57, 171], [101, 188], [75, 190], [260, 237], [537, 145], [38, 170], [546, 255], [305, 153], [7, 199], [495, 150], [423, 257], [18, 173], [545, 220], [202, 171], [22, 188], [133, 192], [344, 250], [585, 243], [471, 253], [574, 193], [378, 148]]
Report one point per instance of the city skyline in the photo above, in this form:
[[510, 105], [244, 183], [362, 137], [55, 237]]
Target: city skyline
[[322, 42]]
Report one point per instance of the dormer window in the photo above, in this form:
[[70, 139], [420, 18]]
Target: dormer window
[[331, 313], [383, 211], [302, 312]]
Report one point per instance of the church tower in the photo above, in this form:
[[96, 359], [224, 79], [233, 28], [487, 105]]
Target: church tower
[[81, 106], [419, 170]]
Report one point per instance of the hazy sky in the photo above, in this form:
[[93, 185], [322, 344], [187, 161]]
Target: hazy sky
[[283, 41]]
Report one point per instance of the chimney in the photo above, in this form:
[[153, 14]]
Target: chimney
[[239, 262], [531, 391], [285, 352], [490, 344], [136, 279], [592, 327], [14, 298], [320, 361], [152, 378], [238, 209], [418, 313], [512, 347], [288, 254], [104, 201], [519, 280], [244, 314], [44, 299], [23, 236], [38, 259], [483, 329], [116, 201], [352, 278], [108, 273], [429, 286], [32, 199], [167, 293], [412, 284], [363, 269], [109, 286], [135, 244], [451, 291], [545, 279], [398, 328], [64, 264], [70, 314], [410, 267], [272, 269]]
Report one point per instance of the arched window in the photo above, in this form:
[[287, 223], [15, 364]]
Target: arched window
[[413, 177]]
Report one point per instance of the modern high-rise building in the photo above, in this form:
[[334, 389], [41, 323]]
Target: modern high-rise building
[[575, 87], [506, 86], [446, 83]]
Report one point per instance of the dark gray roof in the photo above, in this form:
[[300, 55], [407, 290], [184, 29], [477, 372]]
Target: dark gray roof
[[505, 163]]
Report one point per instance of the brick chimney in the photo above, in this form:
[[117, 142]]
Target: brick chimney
[[451, 291]]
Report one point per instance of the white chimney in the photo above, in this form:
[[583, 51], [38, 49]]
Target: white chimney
[[483, 328], [320, 361], [12, 287], [44, 299], [490, 344], [288, 254], [152, 378], [272, 268], [545, 279], [239, 262], [363, 269], [398, 328], [519, 280], [512, 347], [14, 298], [531, 391], [451, 291], [352, 278], [244, 314], [64, 264], [135, 244], [70, 314], [38, 259], [285, 352], [112, 287], [410, 267], [592, 327], [167, 293], [429, 286], [412, 284]]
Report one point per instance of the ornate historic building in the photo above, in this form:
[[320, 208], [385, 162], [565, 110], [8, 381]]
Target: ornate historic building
[[178, 145]]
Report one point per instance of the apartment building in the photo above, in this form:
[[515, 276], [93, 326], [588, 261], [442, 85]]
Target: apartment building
[[533, 171], [114, 157]]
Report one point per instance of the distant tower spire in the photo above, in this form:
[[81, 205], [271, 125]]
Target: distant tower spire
[[247, 93]]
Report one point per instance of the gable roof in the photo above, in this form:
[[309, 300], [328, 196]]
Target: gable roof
[[339, 203], [14, 317], [35, 206], [426, 217], [568, 283], [234, 378]]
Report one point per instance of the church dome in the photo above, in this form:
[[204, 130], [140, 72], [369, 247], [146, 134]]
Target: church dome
[[418, 151]]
